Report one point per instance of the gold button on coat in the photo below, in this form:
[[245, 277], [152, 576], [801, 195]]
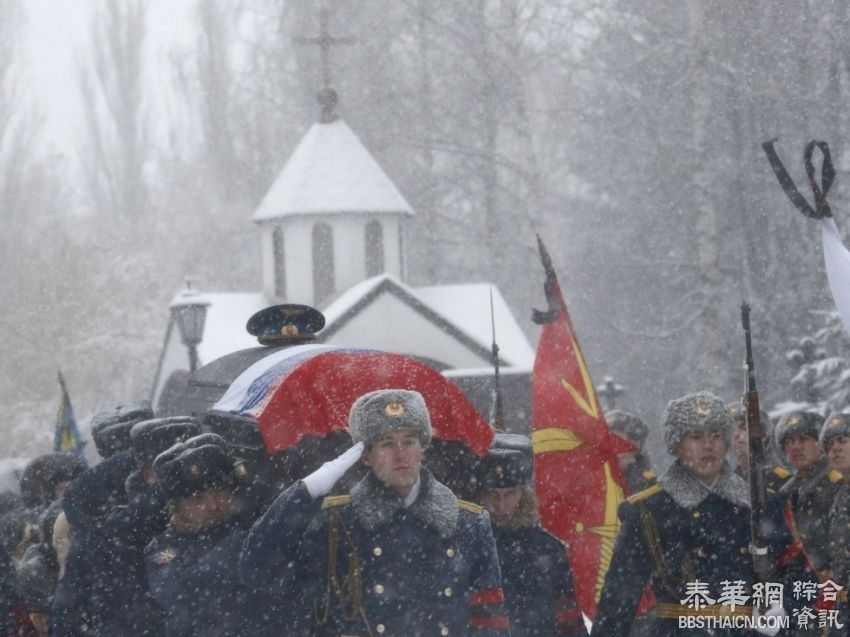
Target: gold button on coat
[[696, 514], [444, 631], [379, 589], [377, 551], [450, 552], [447, 592], [380, 628]]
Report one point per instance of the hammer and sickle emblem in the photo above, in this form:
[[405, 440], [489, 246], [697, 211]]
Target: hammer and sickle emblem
[[394, 409]]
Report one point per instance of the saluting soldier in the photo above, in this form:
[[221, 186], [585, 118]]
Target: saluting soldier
[[690, 533], [401, 555], [193, 566], [539, 592], [775, 475], [122, 603], [635, 465], [810, 492]]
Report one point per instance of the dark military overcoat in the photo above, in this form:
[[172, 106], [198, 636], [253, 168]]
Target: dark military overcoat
[[539, 592], [679, 533], [194, 578], [380, 568]]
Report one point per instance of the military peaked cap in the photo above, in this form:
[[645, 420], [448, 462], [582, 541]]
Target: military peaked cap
[[199, 464], [150, 438], [111, 428], [509, 462], [283, 324]]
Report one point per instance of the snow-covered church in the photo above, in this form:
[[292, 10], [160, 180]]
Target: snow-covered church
[[330, 230]]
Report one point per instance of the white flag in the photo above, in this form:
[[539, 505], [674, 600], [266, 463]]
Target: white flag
[[837, 260]]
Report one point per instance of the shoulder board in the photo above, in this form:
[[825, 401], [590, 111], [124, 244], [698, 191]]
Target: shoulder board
[[649, 475], [477, 509], [781, 472], [643, 495], [834, 476], [335, 501]]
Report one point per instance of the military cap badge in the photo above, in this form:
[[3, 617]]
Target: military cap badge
[[394, 408], [164, 557]]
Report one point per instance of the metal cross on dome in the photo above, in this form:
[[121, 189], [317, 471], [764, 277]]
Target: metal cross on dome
[[325, 41]]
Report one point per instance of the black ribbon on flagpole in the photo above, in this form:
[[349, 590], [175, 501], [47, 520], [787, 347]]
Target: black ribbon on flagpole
[[821, 208]]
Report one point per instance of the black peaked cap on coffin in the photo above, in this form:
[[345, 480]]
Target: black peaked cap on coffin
[[111, 428], [803, 423], [285, 324], [509, 462], [150, 438], [627, 423], [190, 467], [836, 425]]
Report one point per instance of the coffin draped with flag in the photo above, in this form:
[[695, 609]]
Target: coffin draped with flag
[[301, 394], [579, 482]]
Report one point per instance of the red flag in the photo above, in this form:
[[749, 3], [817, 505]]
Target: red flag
[[579, 482]]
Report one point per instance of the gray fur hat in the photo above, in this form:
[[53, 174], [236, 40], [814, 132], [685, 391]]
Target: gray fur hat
[[627, 423], [804, 423], [836, 425], [379, 412], [692, 413]]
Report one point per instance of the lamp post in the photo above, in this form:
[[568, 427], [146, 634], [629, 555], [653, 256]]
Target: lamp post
[[189, 311]]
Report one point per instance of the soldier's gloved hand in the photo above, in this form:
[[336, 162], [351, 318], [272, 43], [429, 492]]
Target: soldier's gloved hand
[[768, 629], [322, 480]]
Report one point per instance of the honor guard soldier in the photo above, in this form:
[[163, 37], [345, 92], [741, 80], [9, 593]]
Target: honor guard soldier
[[400, 556], [635, 465], [123, 605], [775, 474], [691, 532], [536, 577], [835, 442], [810, 492], [193, 566]]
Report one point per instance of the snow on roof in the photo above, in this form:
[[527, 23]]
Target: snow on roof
[[331, 171], [466, 306], [227, 314]]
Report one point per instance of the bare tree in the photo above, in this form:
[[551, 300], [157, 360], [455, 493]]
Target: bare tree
[[117, 127]]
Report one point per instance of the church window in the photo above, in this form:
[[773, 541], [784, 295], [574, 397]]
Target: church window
[[374, 248], [323, 262], [279, 262]]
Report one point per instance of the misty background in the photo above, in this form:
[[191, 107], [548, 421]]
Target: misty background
[[628, 135]]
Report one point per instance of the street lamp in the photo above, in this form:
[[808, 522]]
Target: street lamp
[[189, 311]]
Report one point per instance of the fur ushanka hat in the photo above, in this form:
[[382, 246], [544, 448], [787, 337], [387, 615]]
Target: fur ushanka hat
[[380, 412], [692, 413]]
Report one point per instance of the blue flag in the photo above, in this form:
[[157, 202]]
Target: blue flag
[[67, 435]]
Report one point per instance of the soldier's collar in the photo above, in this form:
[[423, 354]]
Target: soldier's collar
[[375, 504], [688, 492]]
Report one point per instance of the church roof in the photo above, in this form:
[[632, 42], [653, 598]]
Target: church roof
[[331, 171], [462, 309]]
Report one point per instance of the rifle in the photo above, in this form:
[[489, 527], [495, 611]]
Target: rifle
[[755, 436], [497, 419]]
